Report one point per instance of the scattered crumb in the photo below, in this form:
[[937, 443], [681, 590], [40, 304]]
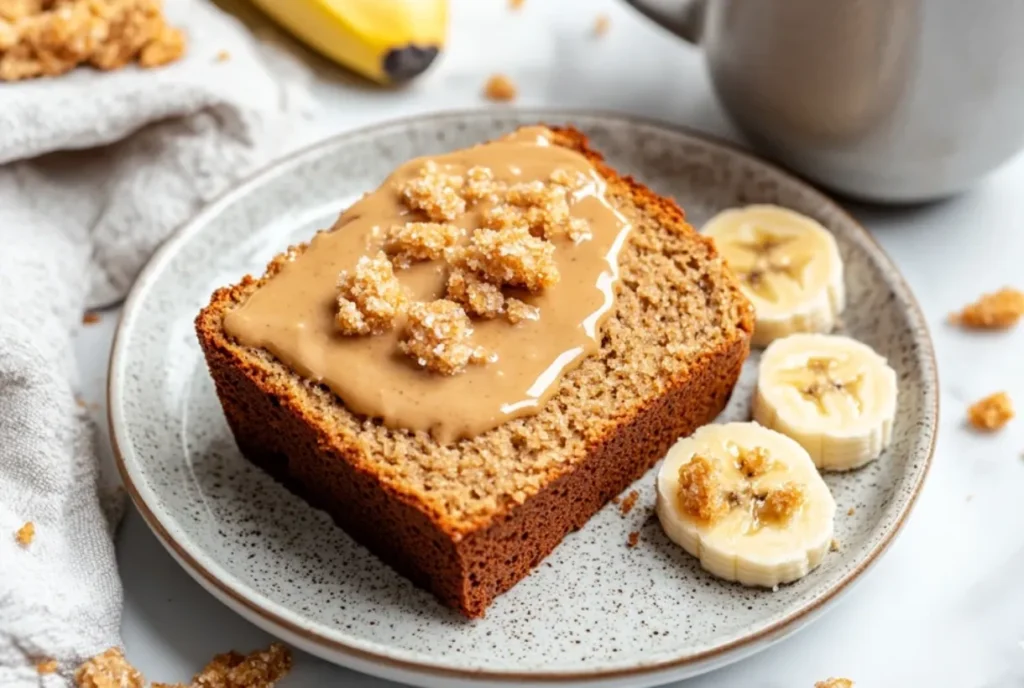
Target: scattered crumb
[[517, 311], [26, 534], [108, 670], [477, 296], [500, 88], [834, 683], [970, 497], [259, 669], [991, 413], [616, 500], [437, 337], [515, 4], [46, 666], [370, 298], [90, 318], [51, 38], [628, 502], [779, 504], [436, 193], [998, 310], [834, 546], [602, 24], [416, 241], [82, 403], [511, 257], [634, 538], [851, 511], [700, 492], [223, 56]]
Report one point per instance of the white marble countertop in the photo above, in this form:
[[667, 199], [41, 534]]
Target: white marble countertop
[[944, 607]]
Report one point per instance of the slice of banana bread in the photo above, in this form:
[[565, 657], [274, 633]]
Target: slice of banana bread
[[470, 519]]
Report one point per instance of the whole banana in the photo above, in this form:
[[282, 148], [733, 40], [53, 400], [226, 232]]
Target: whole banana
[[388, 41]]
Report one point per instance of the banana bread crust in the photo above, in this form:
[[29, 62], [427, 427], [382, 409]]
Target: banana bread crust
[[466, 564]]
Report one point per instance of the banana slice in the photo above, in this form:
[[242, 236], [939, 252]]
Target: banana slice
[[789, 267], [832, 394], [748, 502]]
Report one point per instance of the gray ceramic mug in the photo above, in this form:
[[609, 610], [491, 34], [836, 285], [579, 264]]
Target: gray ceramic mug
[[882, 100]]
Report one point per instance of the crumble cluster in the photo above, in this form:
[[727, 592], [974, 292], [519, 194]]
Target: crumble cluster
[[513, 249], [435, 193], [542, 207], [52, 37], [779, 504], [754, 462], [108, 670], [370, 298], [998, 310], [991, 413], [477, 296], [417, 241], [260, 669], [702, 495], [834, 683], [700, 489], [438, 337], [512, 257]]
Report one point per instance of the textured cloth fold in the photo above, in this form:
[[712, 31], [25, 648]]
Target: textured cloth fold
[[98, 168]]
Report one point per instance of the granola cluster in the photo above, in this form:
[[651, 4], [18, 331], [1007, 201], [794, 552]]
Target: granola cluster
[[438, 337], [991, 413], [52, 37], [370, 297], [999, 310]]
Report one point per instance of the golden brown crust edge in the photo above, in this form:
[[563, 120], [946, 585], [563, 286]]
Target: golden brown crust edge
[[465, 570]]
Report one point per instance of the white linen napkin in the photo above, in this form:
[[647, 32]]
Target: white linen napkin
[[96, 169]]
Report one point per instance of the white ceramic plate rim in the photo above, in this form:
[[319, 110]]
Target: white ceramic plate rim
[[214, 576]]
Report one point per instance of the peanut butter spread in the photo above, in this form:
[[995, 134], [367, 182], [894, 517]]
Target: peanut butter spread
[[455, 296]]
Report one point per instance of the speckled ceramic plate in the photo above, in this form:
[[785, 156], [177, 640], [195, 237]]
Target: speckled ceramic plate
[[595, 612]]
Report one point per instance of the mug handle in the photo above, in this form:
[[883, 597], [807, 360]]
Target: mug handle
[[684, 19]]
